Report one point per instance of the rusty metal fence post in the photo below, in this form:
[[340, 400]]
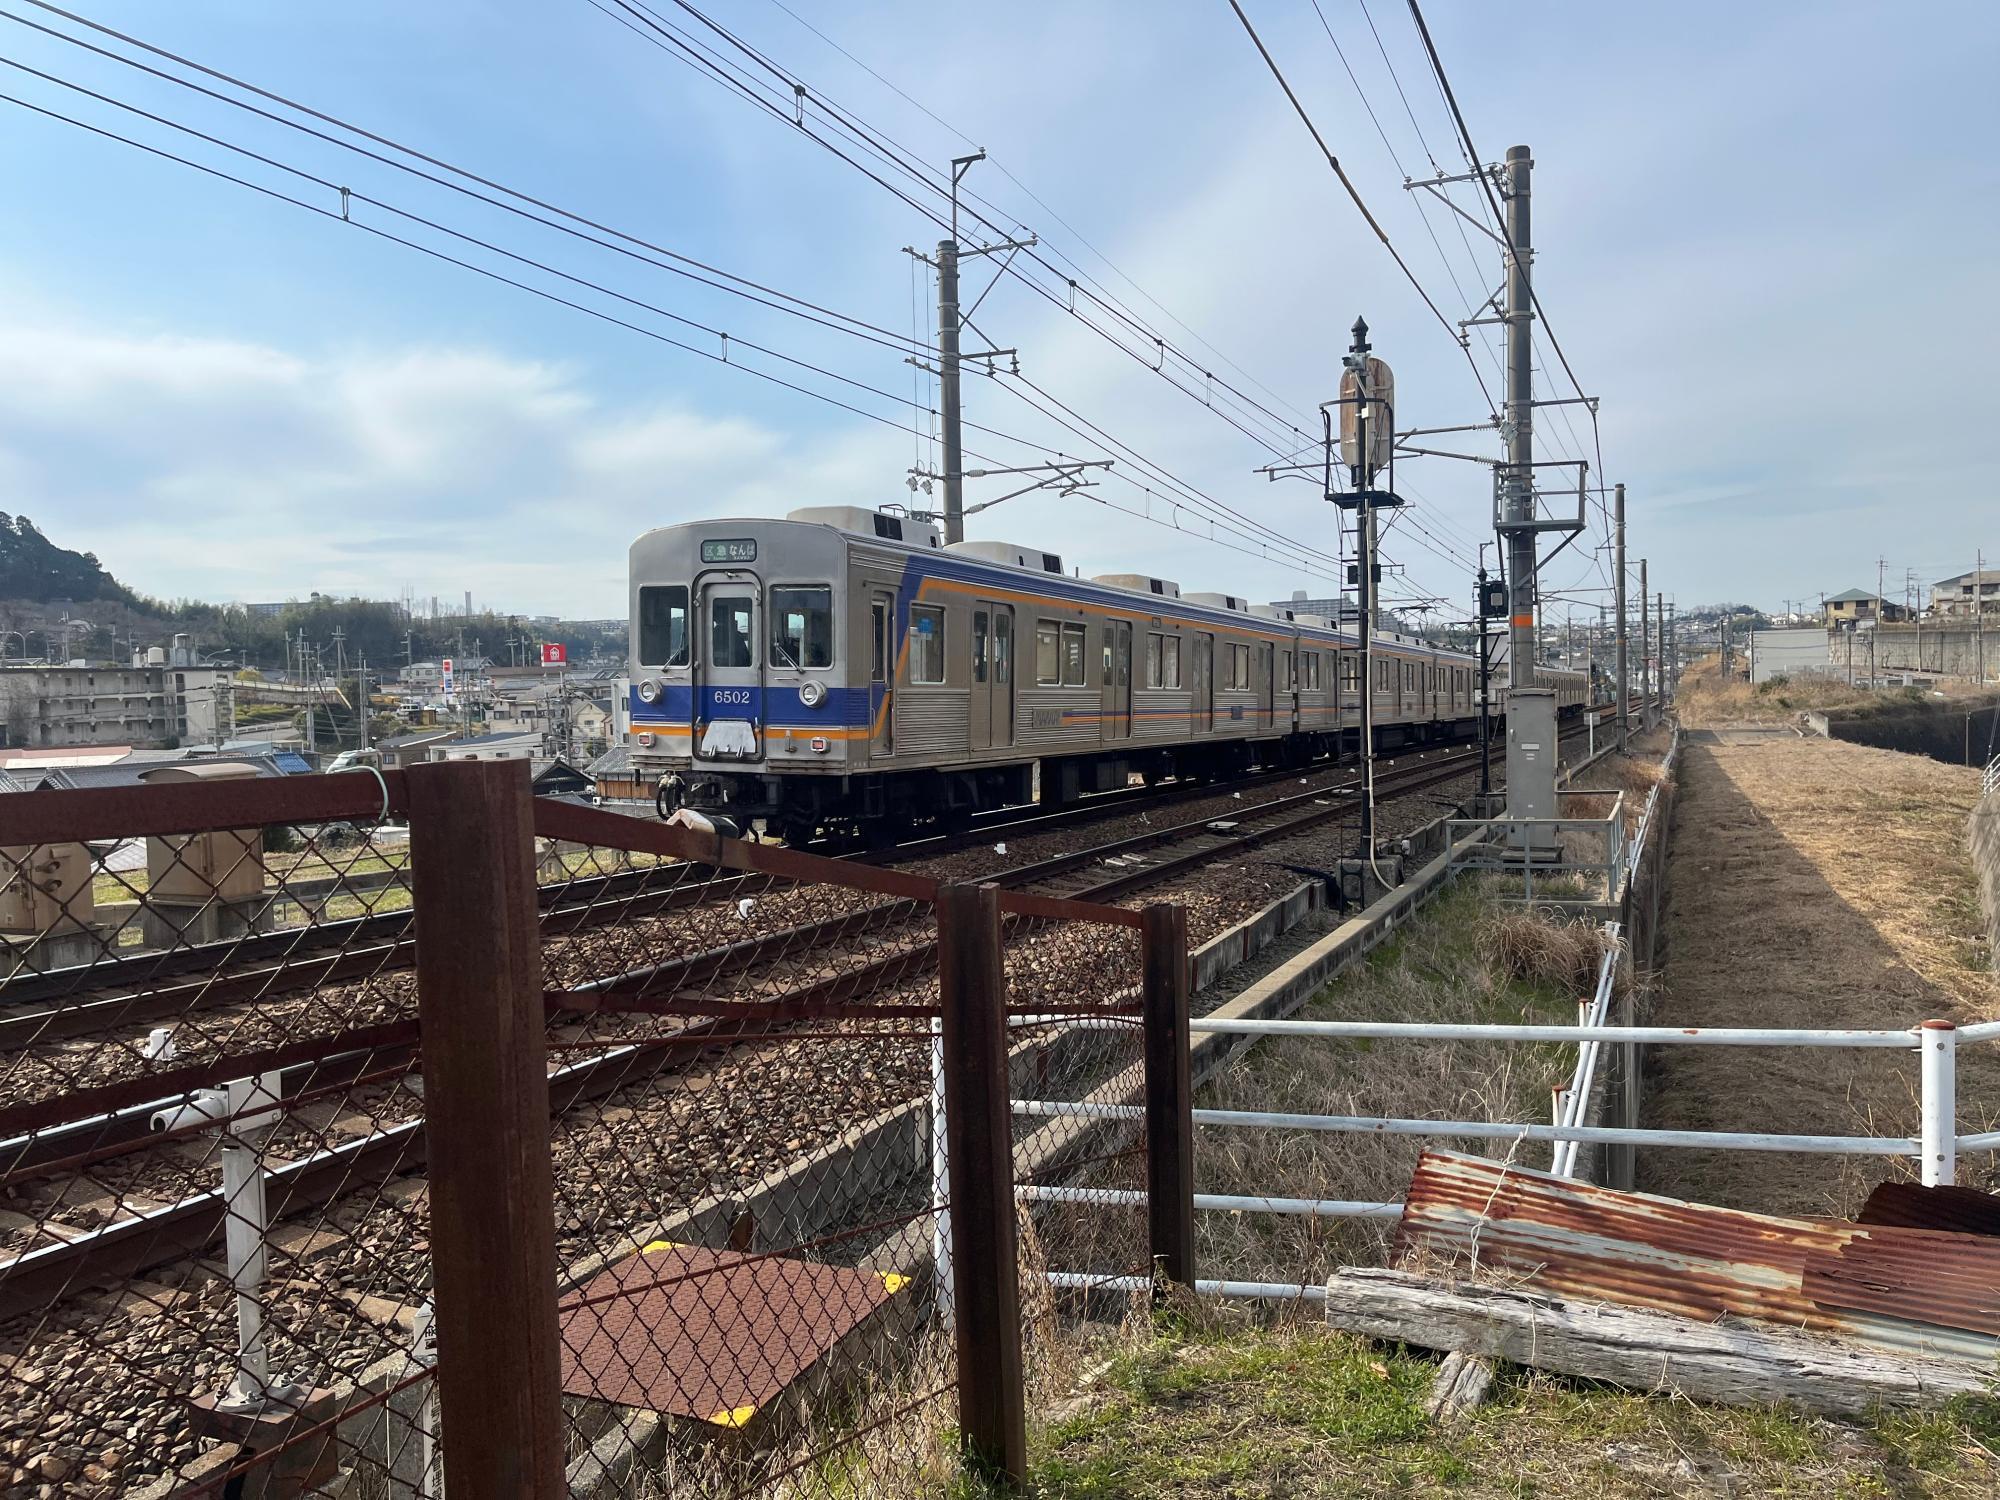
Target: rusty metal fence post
[[1169, 1095], [979, 1133], [486, 1106]]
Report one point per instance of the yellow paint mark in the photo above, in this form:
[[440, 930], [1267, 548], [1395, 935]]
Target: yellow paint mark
[[893, 1281], [734, 1417], [659, 1245]]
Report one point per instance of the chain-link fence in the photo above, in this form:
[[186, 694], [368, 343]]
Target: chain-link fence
[[212, 1142], [711, 1157]]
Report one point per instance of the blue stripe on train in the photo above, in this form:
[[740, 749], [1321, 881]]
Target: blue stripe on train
[[843, 707]]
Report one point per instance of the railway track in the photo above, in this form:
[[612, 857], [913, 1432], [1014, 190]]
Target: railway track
[[1101, 872]]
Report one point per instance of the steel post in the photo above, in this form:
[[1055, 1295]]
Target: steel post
[[1939, 1041], [992, 1415], [486, 1115], [1169, 1095]]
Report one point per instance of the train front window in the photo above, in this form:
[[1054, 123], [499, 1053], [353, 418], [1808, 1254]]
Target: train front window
[[663, 626], [729, 631], [802, 627]]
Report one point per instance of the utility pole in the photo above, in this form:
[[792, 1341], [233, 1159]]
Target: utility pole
[[1979, 614], [1618, 573], [948, 325], [1485, 686], [1660, 678], [1645, 649]]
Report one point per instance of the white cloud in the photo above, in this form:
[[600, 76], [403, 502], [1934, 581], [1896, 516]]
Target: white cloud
[[227, 470]]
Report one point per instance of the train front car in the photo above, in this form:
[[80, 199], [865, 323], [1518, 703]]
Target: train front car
[[739, 658]]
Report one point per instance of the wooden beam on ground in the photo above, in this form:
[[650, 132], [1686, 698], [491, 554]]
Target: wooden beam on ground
[[1732, 1364]]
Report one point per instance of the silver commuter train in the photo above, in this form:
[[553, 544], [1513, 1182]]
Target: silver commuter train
[[843, 670]]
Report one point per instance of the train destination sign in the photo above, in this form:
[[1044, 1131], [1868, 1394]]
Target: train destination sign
[[729, 549]]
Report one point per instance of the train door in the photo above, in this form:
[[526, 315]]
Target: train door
[[1118, 679], [1288, 687], [1204, 683], [1261, 675], [882, 670], [729, 693], [1002, 686], [992, 675]]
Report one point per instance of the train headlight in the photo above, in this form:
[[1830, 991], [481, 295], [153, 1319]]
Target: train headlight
[[812, 694], [649, 691]]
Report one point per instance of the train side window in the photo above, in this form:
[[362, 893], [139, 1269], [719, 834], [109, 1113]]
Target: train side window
[[1239, 668], [729, 641], [1163, 661], [1048, 653], [663, 625], [802, 627], [979, 634], [926, 643], [1311, 671], [1073, 655]]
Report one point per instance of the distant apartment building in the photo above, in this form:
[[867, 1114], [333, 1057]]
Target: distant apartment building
[[1967, 593], [149, 703]]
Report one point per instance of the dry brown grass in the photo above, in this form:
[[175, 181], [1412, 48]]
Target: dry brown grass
[[1447, 966], [1813, 883]]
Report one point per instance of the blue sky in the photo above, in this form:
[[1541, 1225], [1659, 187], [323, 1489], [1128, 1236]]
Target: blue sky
[[1764, 238]]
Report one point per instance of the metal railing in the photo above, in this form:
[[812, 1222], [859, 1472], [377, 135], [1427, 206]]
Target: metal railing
[[1990, 782], [1518, 845]]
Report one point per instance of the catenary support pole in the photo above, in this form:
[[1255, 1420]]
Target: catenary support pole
[[1660, 641], [1618, 572], [1645, 649], [992, 1413], [1169, 1095], [948, 391], [486, 1114], [1518, 425]]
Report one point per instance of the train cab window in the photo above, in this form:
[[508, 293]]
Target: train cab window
[[802, 627], [926, 643], [729, 631], [663, 626]]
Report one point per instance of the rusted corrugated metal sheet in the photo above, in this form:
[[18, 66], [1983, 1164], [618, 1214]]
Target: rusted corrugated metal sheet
[[709, 1334], [1908, 1206], [1907, 1289]]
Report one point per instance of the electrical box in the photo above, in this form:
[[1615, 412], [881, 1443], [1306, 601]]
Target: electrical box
[[1532, 754], [193, 868], [47, 888]]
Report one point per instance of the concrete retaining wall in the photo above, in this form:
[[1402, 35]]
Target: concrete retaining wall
[[1982, 834]]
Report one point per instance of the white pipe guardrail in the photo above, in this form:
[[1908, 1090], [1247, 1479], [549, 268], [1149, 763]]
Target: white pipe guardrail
[[1574, 1103], [1936, 1147], [1990, 782]]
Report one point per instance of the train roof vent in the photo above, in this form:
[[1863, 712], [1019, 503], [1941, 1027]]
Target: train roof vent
[[1272, 612], [1011, 554], [863, 522], [1318, 622], [1220, 601], [1139, 583]]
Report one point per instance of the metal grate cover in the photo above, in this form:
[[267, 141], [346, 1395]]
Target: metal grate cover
[[709, 1334]]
